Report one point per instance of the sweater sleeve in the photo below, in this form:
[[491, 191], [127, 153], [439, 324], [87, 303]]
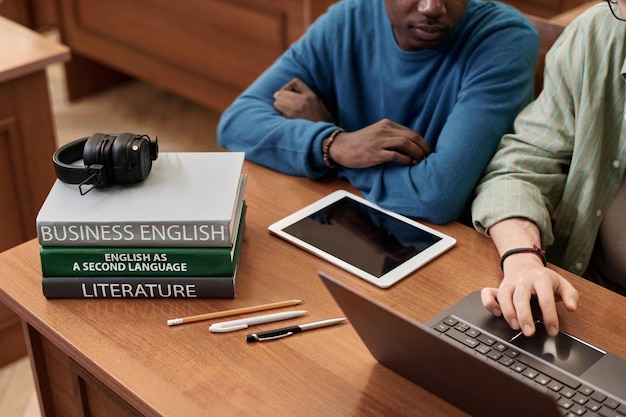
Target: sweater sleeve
[[252, 125]]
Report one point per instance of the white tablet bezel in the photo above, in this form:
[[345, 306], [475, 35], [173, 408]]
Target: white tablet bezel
[[412, 264]]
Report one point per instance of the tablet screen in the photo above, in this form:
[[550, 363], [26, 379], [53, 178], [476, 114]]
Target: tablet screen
[[375, 244]]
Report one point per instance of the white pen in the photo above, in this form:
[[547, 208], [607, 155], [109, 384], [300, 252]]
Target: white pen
[[230, 326]]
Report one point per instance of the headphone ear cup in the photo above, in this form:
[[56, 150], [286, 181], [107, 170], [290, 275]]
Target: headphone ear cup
[[91, 152], [121, 158], [98, 152], [133, 156]]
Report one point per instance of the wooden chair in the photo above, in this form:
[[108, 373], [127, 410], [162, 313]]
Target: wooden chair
[[567, 16], [548, 34]]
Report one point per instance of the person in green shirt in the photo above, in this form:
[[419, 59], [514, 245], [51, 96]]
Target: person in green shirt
[[557, 182]]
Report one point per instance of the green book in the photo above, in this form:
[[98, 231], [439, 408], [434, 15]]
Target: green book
[[96, 261], [142, 287]]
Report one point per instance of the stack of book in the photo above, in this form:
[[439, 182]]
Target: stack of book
[[177, 234]]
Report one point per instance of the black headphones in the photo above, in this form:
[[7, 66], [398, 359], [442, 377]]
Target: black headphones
[[108, 159]]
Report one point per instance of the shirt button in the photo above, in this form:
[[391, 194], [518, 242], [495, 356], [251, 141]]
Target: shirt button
[[598, 213], [615, 164], [578, 266]]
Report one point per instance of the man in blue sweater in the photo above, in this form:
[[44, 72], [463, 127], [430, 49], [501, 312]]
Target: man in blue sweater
[[406, 99]]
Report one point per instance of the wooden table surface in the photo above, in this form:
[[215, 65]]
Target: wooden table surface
[[188, 371]]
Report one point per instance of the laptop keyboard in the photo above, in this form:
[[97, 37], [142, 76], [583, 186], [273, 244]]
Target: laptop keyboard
[[573, 396]]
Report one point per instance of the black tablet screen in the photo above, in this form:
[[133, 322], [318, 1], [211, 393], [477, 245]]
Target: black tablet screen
[[362, 236]]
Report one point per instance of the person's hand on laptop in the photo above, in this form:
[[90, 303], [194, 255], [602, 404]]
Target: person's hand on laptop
[[520, 284], [526, 278]]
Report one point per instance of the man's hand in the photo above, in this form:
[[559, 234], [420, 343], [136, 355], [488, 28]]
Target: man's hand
[[384, 141], [295, 100], [513, 298], [525, 278]]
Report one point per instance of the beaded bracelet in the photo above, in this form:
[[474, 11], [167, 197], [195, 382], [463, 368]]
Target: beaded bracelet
[[535, 249], [326, 149]]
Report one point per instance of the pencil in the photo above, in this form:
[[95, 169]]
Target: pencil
[[243, 310]]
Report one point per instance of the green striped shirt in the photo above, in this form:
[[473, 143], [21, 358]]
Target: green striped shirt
[[565, 160]]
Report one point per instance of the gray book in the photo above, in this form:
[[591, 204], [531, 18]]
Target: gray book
[[129, 287], [190, 199]]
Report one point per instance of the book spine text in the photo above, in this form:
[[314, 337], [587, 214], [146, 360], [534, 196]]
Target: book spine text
[[123, 287], [60, 261], [134, 234]]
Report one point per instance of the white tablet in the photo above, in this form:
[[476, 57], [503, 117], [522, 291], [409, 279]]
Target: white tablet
[[377, 245]]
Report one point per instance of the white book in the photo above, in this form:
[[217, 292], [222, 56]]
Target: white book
[[188, 199]]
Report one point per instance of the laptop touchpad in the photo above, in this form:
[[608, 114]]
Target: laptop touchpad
[[563, 350]]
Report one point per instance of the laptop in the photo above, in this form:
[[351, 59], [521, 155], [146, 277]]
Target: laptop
[[476, 362]]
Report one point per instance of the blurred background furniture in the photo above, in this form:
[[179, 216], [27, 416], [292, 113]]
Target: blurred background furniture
[[549, 32], [27, 142], [207, 51], [548, 9], [38, 15]]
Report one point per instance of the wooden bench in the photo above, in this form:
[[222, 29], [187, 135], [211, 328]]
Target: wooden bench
[[208, 52]]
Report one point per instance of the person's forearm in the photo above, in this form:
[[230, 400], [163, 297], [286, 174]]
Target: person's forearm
[[514, 233]]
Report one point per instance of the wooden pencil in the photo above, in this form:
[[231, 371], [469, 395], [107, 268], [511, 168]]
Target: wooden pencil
[[226, 313]]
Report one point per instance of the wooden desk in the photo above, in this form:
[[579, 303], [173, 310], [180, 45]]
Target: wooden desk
[[27, 142], [118, 357]]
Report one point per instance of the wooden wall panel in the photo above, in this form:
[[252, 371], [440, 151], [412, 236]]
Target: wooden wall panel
[[16, 10], [39, 15]]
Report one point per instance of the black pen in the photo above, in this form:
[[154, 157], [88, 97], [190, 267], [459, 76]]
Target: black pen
[[288, 331]]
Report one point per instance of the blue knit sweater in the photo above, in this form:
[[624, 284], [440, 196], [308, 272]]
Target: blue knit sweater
[[461, 96]]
